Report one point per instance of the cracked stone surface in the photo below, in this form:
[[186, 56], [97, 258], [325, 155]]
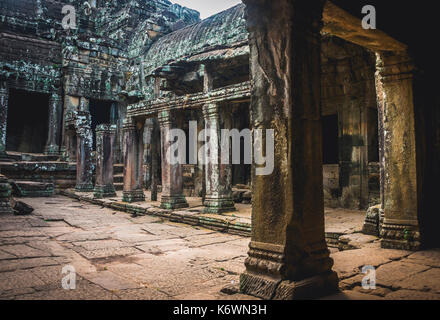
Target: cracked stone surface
[[117, 256]]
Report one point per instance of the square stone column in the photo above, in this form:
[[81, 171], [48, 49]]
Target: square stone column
[[84, 163], [172, 174], [288, 256], [218, 175], [4, 98], [133, 156], [55, 119], [400, 228], [68, 144], [151, 156], [105, 137]]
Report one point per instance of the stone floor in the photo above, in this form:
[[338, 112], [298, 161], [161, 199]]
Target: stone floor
[[117, 256], [343, 226]]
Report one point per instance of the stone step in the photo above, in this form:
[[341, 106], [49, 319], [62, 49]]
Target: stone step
[[118, 186], [118, 178], [118, 168], [31, 157], [32, 189]]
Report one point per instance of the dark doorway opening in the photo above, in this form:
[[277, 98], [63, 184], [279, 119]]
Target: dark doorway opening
[[27, 124], [330, 145], [241, 173], [102, 112]]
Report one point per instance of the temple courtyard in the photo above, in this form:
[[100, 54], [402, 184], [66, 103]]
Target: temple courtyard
[[122, 255]]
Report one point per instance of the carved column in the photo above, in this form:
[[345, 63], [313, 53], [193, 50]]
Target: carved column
[[353, 163], [400, 227], [4, 97], [55, 114], [199, 168], [68, 144], [84, 163], [148, 146], [133, 156], [70, 141], [105, 138], [218, 176], [288, 256], [151, 156], [172, 174], [381, 136]]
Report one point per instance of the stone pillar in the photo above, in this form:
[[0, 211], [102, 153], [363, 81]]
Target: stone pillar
[[400, 229], [199, 168], [151, 156], [218, 176], [84, 141], [105, 138], [133, 156], [55, 119], [172, 174], [4, 97], [68, 144], [353, 165], [288, 256], [70, 141], [155, 160], [148, 149], [381, 136], [5, 195]]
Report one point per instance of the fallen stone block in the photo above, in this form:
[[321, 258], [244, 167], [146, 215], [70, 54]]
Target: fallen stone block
[[21, 208], [247, 197], [237, 196]]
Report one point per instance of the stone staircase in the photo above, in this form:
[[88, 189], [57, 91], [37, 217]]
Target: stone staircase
[[118, 176]]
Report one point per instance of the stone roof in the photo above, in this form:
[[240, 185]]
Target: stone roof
[[226, 29]]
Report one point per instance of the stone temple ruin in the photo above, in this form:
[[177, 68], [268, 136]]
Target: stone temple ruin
[[87, 113]]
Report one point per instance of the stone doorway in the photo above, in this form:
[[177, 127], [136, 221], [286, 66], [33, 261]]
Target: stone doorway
[[102, 112], [27, 126]]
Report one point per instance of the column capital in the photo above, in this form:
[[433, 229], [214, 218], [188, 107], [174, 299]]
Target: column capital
[[211, 111], [105, 128], [56, 96], [82, 121], [393, 67], [84, 104], [128, 124], [164, 118]]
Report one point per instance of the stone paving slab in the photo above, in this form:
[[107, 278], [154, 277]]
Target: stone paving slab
[[117, 256], [343, 226]]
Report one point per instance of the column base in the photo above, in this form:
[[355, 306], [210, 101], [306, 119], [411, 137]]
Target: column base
[[371, 223], [84, 187], [52, 150], [218, 205], [106, 191], [402, 236], [133, 196], [173, 202], [269, 288]]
